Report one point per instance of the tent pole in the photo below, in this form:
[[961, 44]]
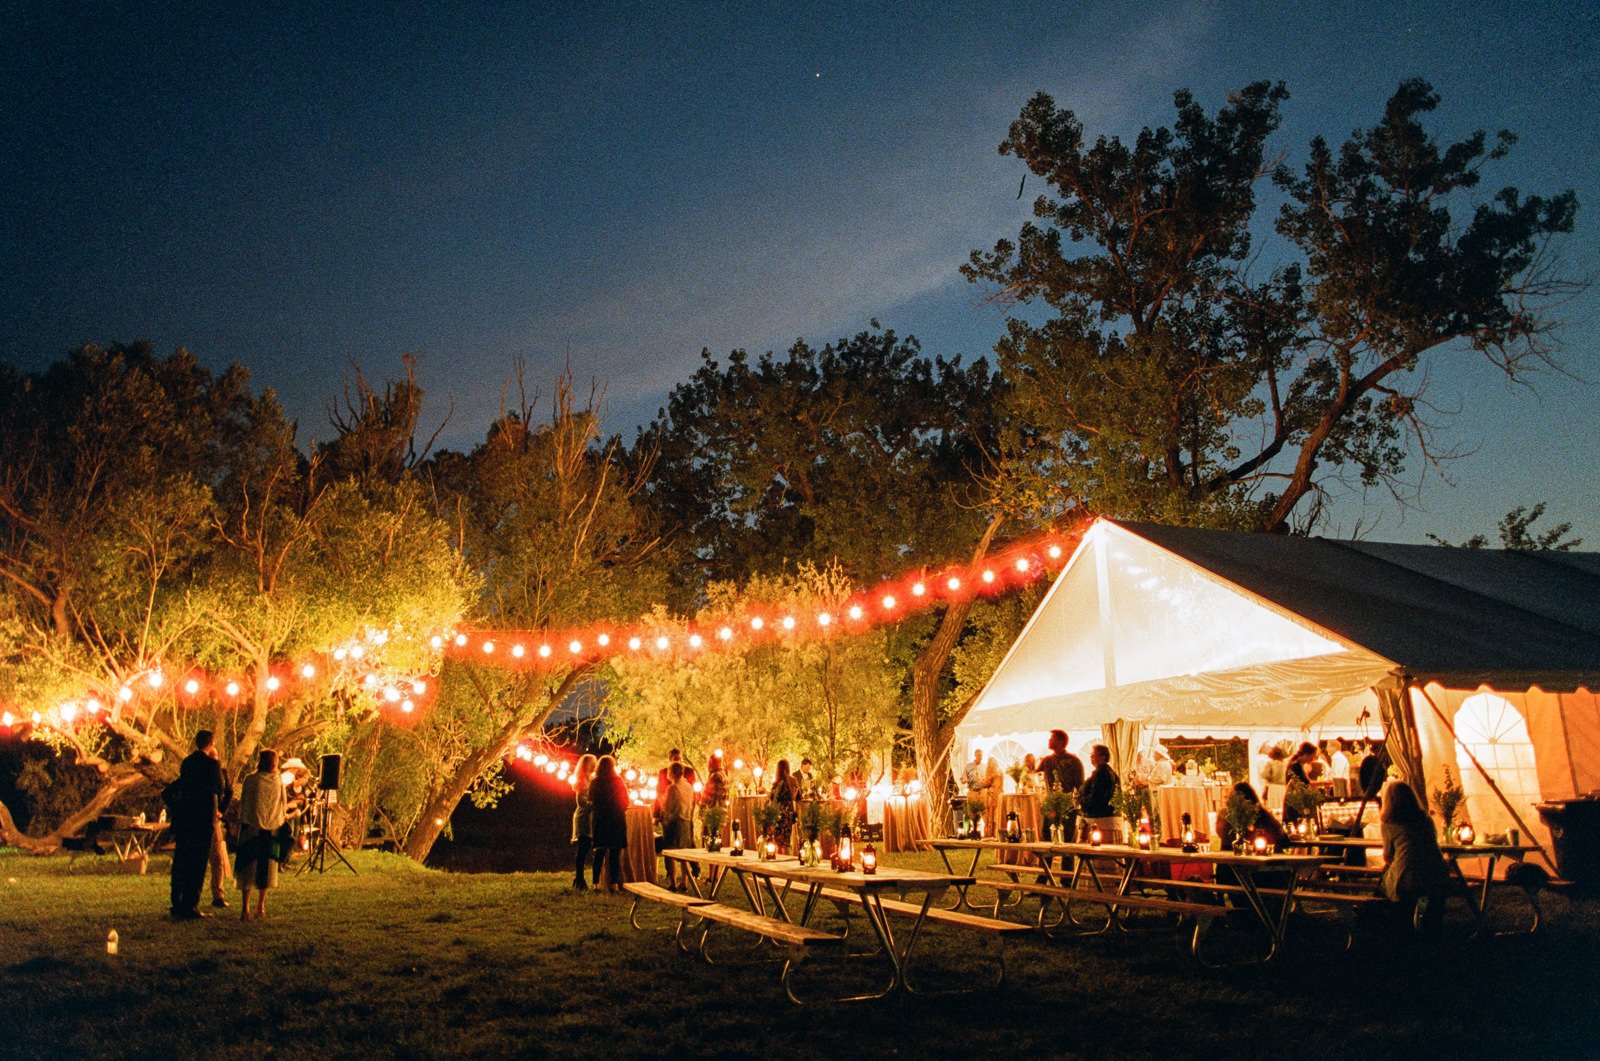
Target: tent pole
[[1501, 796]]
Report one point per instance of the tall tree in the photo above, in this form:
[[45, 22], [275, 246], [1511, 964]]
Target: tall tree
[[1165, 382]]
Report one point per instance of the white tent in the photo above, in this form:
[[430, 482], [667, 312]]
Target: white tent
[[1213, 632]]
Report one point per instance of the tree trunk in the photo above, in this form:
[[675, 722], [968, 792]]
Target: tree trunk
[[434, 816], [931, 740], [114, 786]]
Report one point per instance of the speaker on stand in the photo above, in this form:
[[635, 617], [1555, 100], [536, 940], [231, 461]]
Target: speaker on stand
[[327, 799]]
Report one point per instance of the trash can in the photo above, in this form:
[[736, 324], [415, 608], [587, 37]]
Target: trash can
[[1575, 830]]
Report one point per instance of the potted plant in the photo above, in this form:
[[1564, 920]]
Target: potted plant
[[1447, 800], [711, 820], [1060, 808], [1240, 814]]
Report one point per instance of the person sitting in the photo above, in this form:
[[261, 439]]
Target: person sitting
[[1415, 874], [1263, 822], [1097, 794]]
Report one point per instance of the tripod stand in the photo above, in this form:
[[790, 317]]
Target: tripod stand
[[322, 843]]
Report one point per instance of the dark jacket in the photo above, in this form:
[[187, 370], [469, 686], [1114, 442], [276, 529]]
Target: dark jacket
[[1063, 772], [1097, 793], [610, 799], [200, 793]]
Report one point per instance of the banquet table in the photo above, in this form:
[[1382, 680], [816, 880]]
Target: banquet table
[[1173, 801], [905, 823], [1026, 804]]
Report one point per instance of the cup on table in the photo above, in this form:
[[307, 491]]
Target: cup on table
[[1027, 836], [1513, 837]]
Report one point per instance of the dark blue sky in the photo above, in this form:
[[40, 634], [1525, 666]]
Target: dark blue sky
[[303, 188]]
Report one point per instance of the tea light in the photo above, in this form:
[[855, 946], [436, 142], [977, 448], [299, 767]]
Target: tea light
[[1096, 837], [1260, 843], [869, 860], [770, 850], [1464, 833]]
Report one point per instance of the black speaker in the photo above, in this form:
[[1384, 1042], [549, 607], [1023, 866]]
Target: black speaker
[[330, 773]]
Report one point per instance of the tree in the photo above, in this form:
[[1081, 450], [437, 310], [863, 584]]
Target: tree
[[1166, 383], [1517, 533], [546, 513]]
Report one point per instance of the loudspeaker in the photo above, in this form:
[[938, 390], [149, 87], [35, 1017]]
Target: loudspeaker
[[330, 773]]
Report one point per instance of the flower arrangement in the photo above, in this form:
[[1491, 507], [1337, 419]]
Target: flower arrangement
[[1302, 799], [811, 817], [1058, 807], [767, 814], [1131, 801], [711, 820], [1447, 799], [1016, 771], [1240, 814]]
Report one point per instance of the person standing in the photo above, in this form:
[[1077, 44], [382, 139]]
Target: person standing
[[1098, 792], [784, 796], [664, 778], [261, 813], [220, 871], [582, 820], [677, 825], [193, 802], [1063, 771], [609, 799]]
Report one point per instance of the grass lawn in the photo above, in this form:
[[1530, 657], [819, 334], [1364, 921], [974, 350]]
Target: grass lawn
[[403, 961]]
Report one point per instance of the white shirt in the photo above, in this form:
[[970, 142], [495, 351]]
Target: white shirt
[[1339, 766]]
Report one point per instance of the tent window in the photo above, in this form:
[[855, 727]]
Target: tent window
[[1497, 734]]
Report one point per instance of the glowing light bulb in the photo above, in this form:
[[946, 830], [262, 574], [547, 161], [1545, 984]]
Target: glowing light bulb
[[308, 671], [357, 651], [718, 753], [540, 759], [889, 601], [699, 786], [7, 719], [273, 683], [124, 694], [517, 651], [603, 640], [436, 641], [36, 718], [634, 643], [850, 795], [988, 576], [788, 622], [918, 590], [544, 651], [461, 639], [391, 694], [69, 712], [407, 706], [824, 619], [1023, 565], [726, 633], [232, 689], [370, 681], [953, 583], [662, 643], [419, 686], [855, 611], [93, 705], [630, 774], [287, 777], [155, 679], [1054, 552], [191, 687], [757, 623], [738, 764], [488, 648], [758, 772], [575, 647], [695, 641], [339, 654]]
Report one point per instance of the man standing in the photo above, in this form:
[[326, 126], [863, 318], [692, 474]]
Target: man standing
[[1063, 771], [194, 801], [219, 845]]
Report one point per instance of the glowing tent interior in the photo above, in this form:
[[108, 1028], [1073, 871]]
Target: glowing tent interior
[[1481, 659]]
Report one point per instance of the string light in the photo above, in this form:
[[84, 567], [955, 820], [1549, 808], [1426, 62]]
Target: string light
[[517, 651]]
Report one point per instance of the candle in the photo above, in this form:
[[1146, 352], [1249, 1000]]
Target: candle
[[1260, 843], [869, 859]]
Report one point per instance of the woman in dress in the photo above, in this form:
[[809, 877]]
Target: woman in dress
[[261, 811], [785, 793], [582, 820], [608, 797]]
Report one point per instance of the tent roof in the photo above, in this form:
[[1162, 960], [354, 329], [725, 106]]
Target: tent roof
[[1458, 616], [1213, 628]]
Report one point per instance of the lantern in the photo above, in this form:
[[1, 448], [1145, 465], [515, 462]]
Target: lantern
[[1096, 837], [844, 859], [869, 860], [1259, 844], [1189, 846], [735, 839], [769, 850], [1464, 834]]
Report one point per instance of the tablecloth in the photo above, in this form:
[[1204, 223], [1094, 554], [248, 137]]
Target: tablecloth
[[1026, 804], [905, 823], [639, 860], [1173, 801], [742, 809]]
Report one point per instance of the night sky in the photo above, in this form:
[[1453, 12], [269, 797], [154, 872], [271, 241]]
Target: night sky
[[306, 188]]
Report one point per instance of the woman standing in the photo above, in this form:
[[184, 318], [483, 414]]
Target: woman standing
[[583, 820], [608, 798], [261, 809], [785, 792]]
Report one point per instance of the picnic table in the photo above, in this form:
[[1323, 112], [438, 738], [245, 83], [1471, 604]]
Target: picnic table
[[133, 840], [1109, 875], [766, 884]]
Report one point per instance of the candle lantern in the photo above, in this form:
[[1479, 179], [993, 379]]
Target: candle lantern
[[769, 850], [844, 859], [1465, 834], [1259, 844], [1144, 836], [1189, 845], [869, 860], [735, 839], [1096, 837]]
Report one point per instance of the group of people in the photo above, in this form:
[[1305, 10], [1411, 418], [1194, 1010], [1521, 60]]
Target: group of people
[[196, 802], [1059, 771], [1342, 762]]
